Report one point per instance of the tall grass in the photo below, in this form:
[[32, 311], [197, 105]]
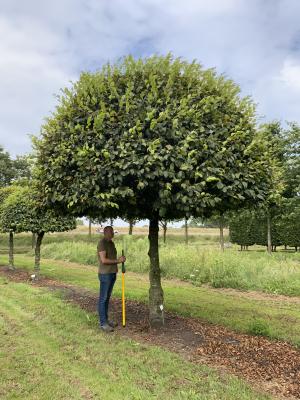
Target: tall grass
[[197, 263]]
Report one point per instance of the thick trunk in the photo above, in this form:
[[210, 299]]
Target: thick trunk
[[222, 232], [130, 227], [33, 239], [186, 231], [269, 238], [37, 259], [11, 251], [285, 247], [156, 295], [90, 229], [111, 222]]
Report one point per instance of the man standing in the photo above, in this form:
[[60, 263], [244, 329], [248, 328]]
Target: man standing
[[107, 273]]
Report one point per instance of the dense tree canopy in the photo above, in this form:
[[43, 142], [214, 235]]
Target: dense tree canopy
[[144, 136], [158, 138]]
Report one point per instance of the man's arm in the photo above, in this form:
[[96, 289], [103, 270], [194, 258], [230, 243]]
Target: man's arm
[[105, 260]]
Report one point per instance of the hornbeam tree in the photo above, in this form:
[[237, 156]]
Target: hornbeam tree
[[19, 213], [156, 138]]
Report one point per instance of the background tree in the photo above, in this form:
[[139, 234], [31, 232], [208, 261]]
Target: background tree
[[6, 168], [23, 168], [19, 213], [153, 139], [242, 228], [292, 161], [14, 170], [272, 137], [131, 223], [164, 224], [5, 193]]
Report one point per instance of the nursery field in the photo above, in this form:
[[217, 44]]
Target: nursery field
[[232, 322]]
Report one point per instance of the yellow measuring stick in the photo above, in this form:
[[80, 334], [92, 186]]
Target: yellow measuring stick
[[123, 294]]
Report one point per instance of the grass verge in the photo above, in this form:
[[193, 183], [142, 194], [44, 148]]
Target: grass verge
[[50, 350], [280, 320]]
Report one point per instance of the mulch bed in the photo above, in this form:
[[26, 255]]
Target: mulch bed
[[269, 365]]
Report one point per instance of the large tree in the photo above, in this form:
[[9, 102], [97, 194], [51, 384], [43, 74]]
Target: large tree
[[156, 139]]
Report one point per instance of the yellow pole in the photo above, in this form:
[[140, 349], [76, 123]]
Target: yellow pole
[[123, 294]]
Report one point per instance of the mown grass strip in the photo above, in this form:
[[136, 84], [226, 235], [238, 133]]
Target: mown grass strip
[[51, 350], [280, 320]]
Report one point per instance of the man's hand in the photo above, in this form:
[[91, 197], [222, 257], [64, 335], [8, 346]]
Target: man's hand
[[121, 259]]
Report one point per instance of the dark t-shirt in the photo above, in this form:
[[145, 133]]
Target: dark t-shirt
[[111, 253]]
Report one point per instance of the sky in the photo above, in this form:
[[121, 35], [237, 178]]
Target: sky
[[46, 44]]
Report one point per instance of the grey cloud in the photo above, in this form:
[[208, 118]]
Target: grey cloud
[[44, 45]]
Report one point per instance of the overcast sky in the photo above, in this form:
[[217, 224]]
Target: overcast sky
[[45, 44]]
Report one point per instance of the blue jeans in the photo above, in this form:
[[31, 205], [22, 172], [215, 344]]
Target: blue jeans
[[107, 282]]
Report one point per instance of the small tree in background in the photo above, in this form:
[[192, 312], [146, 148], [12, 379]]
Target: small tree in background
[[131, 223], [10, 218], [19, 213], [6, 168], [14, 170], [164, 224], [242, 229]]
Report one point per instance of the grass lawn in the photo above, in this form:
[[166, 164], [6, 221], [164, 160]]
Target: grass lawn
[[51, 350], [280, 319]]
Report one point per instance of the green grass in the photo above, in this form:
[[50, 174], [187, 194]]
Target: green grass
[[52, 350], [198, 263], [280, 320]]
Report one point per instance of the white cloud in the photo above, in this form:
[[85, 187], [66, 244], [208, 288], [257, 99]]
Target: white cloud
[[44, 45], [290, 74]]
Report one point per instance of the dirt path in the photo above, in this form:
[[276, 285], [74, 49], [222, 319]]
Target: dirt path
[[269, 365], [256, 295]]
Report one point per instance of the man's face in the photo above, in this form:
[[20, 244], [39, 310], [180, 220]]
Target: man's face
[[109, 233]]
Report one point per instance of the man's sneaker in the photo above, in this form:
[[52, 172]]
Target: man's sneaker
[[106, 328], [112, 324]]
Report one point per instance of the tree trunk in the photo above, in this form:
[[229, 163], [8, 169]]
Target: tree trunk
[[90, 229], [165, 231], [221, 232], [186, 231], [285, 247], [11, 251], [33, 239], [37, 259], [156, 295], [269, 238], [241, 247], [130, 227], [111, 222]]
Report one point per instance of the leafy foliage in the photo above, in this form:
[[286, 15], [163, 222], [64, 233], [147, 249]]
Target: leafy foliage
[[250, 227], [155, 137], [19, 213], [12, 170]]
